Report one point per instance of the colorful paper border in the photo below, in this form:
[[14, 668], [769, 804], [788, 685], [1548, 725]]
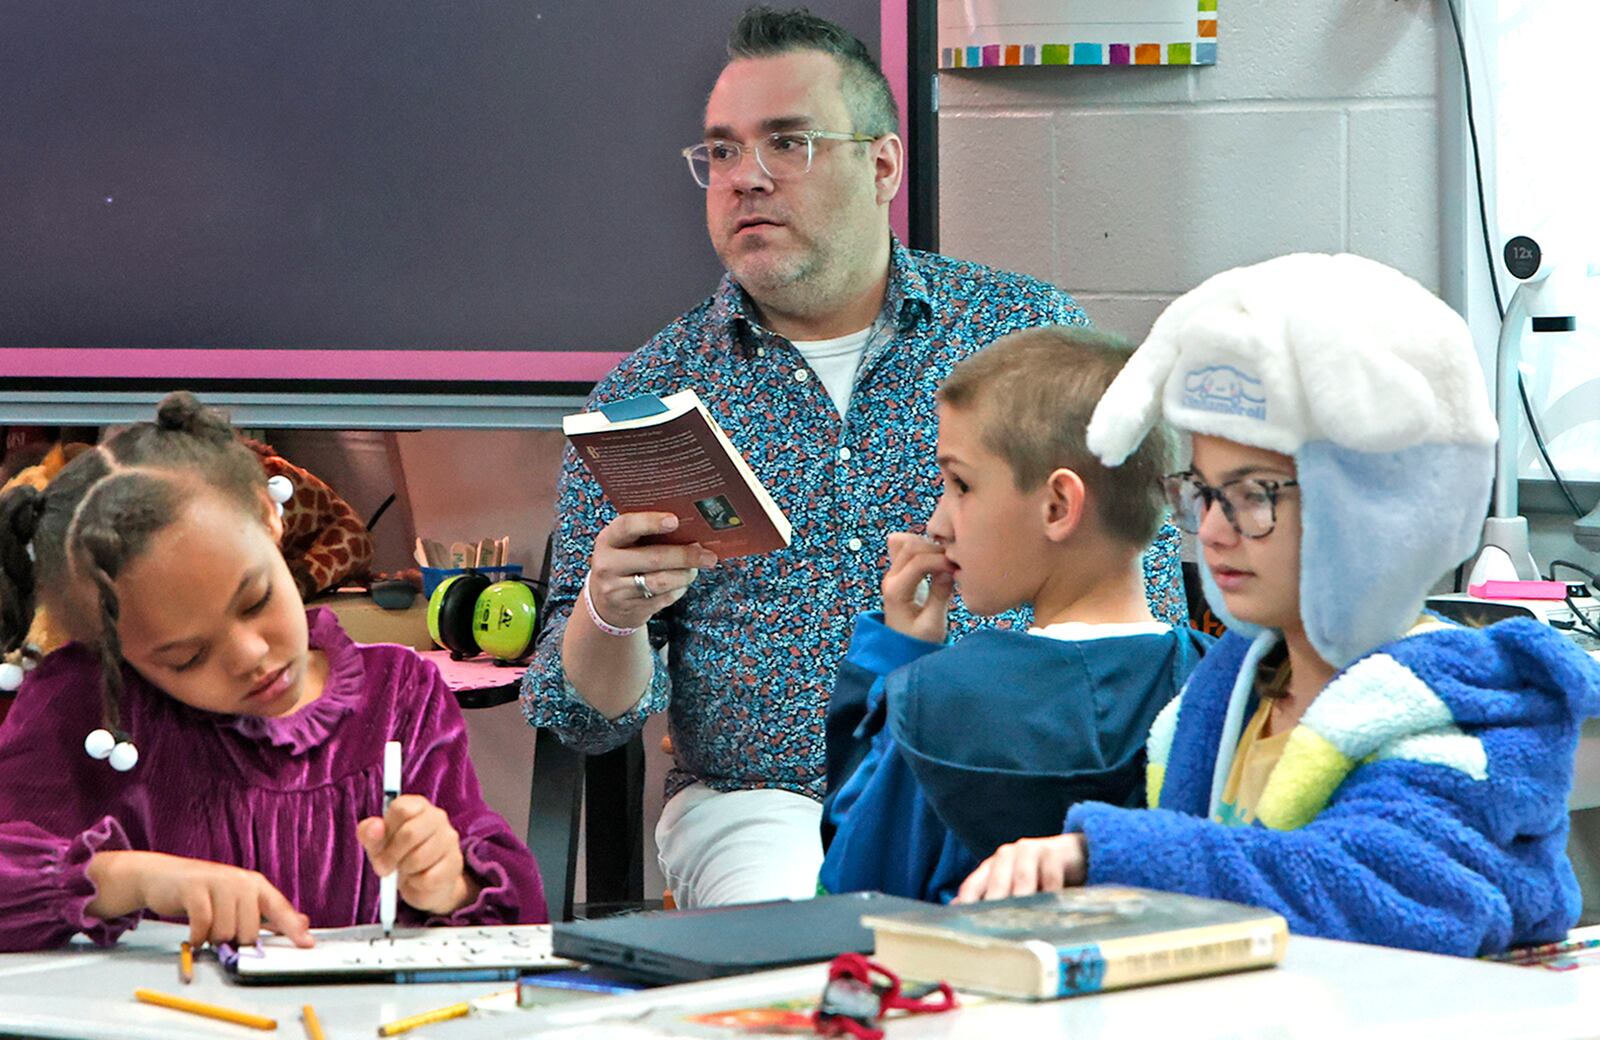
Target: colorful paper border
[[1202, 50]]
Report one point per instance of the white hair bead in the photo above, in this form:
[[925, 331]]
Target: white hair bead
[[99, 743], [124, 756], [280, 489], [11, 676]]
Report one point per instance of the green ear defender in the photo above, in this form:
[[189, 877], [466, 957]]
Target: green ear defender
[[450, 612], [467, 614], [506, 618]]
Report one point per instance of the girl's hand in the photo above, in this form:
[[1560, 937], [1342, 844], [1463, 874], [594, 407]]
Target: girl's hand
[[415, 838], [1028, 866], [911, 559], [221, 903]]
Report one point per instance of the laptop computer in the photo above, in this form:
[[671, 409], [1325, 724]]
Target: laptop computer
[[689, 945]]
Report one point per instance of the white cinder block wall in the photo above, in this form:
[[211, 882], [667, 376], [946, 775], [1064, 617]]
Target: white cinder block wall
[[1317, 130]]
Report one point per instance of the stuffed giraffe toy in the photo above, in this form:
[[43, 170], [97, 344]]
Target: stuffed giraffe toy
[[324, 541]]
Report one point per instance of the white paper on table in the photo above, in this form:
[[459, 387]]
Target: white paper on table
[[363, 951]]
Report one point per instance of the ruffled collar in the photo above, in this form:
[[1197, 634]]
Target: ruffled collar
[[309, 727]]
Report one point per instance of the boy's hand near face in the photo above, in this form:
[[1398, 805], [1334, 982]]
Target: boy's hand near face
[[415, 837], [913, 557], [1028, 866]]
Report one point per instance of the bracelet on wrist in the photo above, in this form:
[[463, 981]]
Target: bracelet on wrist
[[599, 622]]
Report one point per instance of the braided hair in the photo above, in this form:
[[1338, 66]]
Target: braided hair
[[101, 512], [20, 510]]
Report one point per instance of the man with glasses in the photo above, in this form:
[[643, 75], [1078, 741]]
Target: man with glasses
[[819, 354]]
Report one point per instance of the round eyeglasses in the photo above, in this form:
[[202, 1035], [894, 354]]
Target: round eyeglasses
[[1250, 505], [787, 153]]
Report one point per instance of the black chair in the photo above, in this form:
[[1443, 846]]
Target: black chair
[[614, 783]]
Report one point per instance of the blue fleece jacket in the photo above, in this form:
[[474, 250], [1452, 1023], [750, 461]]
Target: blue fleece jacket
[[1420, 803], [935, 759]]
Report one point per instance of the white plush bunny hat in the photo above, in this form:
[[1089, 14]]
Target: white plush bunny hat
[[1371, 383]]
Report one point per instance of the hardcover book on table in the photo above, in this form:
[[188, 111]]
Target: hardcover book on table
[[1081, 940], [668, 455]]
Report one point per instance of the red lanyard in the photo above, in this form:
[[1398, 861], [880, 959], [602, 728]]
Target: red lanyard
[[861, 992]]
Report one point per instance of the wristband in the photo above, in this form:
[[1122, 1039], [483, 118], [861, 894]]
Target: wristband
[[599, 622]]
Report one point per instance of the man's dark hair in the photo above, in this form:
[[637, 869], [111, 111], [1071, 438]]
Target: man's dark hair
[[763, 32]]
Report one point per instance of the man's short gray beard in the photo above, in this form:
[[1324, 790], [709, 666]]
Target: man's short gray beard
[[804, 290]]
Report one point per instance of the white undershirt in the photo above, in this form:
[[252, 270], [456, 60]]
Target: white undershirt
[[835, 362]]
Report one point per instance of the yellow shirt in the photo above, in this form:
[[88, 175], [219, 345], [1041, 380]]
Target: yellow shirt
[[1253, 762], [1258, 755]]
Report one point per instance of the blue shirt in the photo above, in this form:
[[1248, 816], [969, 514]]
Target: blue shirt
[[952, 764], [756, 640]]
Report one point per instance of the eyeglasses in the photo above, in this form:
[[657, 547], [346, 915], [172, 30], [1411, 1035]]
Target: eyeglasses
[[1250, 505], [781, 155]]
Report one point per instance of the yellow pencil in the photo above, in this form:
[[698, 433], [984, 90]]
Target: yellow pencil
[[194, 1007], [404, 1025], [308, 1015], [186, 962]]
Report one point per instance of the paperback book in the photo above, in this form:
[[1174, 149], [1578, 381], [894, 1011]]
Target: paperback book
[[668, 455]]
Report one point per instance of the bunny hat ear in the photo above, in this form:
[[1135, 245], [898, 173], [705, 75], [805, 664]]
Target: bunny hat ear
[[1371, 383]]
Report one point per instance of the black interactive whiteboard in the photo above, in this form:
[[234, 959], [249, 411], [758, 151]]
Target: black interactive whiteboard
[[336, 205]]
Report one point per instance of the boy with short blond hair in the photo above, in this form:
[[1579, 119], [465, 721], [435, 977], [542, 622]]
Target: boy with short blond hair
[[1032, 399], [935, 759]]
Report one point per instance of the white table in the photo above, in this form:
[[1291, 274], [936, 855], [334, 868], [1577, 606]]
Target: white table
[[1323, 989]]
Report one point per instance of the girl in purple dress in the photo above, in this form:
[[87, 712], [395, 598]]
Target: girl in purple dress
[[207, 749]]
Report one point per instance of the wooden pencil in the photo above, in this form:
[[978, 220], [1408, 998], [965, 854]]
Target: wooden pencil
[[410, 1022], [195, 1007]]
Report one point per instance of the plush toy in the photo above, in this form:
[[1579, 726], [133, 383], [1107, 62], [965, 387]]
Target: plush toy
[[324, 540]]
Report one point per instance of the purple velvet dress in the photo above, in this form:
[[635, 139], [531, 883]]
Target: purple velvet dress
[[280, 796]]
